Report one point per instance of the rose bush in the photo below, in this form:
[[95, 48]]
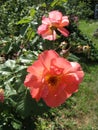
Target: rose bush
[[51, 78]]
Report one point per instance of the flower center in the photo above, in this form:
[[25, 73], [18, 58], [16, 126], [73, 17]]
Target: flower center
[[52, 80], [53, 28]]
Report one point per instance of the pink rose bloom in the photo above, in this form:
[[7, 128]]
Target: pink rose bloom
[[53, 78], [55, 21]]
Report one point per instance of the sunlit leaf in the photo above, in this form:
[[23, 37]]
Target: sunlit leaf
[[32, 12], [25, 20], [57, 2], [16, 124], [9, 91], [10, 64]]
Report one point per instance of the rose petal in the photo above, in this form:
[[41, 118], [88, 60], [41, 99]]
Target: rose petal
[[47, 56], [65, 21], [72, 83], [32, 81], [55, 100], [46, 21], [42, 29], [55, 15], [61, 63], [63, 31], [49, 35]]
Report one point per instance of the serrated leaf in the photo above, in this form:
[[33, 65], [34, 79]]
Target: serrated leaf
[[27, 105], [24, 105]]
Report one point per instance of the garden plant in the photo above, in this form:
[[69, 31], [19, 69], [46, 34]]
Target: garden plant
[[42, 62]]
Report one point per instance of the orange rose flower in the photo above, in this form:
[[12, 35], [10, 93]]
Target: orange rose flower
[[53, 78], [55, 21]]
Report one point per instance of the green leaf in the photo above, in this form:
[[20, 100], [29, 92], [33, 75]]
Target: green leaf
[[25, 20], [20, 68], [24, 105], [57, 2], [23, 30], [72, 57], [44, 5], [5, 71], [9, 91], [7, 67], [30, 33], [10, 64], [16, 124], [8, 47], [21, 88], [25, 61], [32, 12], [27, 105]]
